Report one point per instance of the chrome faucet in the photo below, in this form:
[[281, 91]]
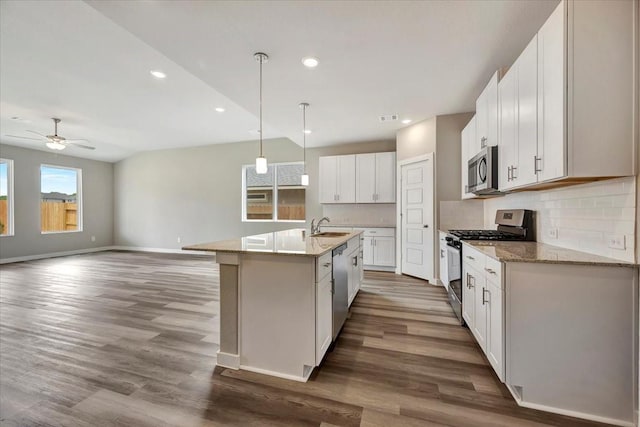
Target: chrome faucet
[[315, 229]]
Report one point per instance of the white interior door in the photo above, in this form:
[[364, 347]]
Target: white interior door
[[417, 241]]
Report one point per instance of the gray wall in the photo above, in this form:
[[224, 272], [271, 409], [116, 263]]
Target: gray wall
[[196, 193], [440, 135], [97, 201]]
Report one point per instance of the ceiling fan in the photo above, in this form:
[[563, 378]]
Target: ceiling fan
[[55, 141]]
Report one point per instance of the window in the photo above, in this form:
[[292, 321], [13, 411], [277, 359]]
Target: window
[[60, 199], [6, 197], [277, 195]]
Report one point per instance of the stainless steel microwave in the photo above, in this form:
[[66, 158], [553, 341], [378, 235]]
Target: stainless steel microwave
[[483, 172]]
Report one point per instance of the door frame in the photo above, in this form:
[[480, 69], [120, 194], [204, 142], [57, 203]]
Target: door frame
[[429, 157]]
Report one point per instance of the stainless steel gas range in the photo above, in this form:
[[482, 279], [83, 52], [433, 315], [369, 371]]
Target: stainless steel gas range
[[513, 224]]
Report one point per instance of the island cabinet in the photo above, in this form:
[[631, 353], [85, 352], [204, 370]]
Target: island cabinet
[[376, 178], [337, 180], [559, 327], [277, 300], [565, 104]]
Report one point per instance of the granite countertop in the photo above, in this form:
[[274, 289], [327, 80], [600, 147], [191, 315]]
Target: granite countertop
[[542, 253], [296, 241]]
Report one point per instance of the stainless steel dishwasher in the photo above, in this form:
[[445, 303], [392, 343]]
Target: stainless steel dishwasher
[[340, 288]]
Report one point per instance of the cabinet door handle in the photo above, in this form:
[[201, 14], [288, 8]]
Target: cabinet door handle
[[488, 270], [468, 287], [508, 173], [355, 261], [513, 175], [536, 159], [483, 300], [441, 253]]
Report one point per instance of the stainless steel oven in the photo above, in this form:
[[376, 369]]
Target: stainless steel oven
[[483, 172]]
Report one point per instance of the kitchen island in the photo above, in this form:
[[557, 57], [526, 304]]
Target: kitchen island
[[277, 310]]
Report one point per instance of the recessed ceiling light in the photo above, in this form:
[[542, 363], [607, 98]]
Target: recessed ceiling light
[[158, 74], [406, 121], [310, 62], [220, 109], [307, 131]]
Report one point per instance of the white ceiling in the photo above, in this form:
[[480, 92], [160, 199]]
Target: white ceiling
[[89, 63]]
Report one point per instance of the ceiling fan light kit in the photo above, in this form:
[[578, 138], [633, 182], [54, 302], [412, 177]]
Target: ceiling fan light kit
[[55, 141], [261, 161]]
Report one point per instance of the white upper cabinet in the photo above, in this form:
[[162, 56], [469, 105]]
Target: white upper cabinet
[[337, 179], [551, 79], [467, 140], [358, 178], [487, 116], [517, 94], [566, 104], [376, 178]]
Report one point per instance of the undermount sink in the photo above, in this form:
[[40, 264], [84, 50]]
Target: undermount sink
[[329, 234]]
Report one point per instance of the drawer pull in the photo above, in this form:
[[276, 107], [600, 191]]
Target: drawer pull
[[471, 258], [326, 264], [488, 270]]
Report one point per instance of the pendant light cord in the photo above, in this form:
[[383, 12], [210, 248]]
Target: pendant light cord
[[304, 138], [261, 60]]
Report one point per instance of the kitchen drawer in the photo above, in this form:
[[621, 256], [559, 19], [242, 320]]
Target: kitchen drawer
[[323, 265], [379, 232], [493, 271], [474, 258]]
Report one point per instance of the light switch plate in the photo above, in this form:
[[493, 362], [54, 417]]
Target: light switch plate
[[552, 233], [617, 242]]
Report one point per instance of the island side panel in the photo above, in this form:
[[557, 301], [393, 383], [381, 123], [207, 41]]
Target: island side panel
[[277, 314], [571, 339], [228, 355]]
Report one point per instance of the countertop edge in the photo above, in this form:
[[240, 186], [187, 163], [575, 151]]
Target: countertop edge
[[338, 241], [602, 262]]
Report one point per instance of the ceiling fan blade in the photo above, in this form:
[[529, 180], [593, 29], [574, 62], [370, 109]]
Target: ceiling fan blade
[[38, 133], [75, 144], [24, 137]]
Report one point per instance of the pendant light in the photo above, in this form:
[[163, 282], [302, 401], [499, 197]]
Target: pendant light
[[261, 161], [305, 177]]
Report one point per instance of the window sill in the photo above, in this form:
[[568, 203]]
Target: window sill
[[61, 232]]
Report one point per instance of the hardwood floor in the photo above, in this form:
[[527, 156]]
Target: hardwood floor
[[129, 339]]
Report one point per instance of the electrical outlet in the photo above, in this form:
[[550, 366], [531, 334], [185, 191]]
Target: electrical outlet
[[93, 238], [552, 233], [617, 242], [179, 239]]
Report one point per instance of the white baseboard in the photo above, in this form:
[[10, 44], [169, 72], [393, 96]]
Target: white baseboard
[[159, 250], [53, 254], [100, 249], [228, 360], [302, 379], [568, 412], [377, 268]]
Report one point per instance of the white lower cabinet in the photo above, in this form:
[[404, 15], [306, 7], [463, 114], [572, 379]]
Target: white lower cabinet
[[324, 316], [483, 305], [378, 248], [444, 277], [354, 277], [495, 350]]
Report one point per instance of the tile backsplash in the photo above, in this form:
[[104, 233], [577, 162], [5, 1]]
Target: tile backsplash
[[365, 213], [583, 217], [458, 215]]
